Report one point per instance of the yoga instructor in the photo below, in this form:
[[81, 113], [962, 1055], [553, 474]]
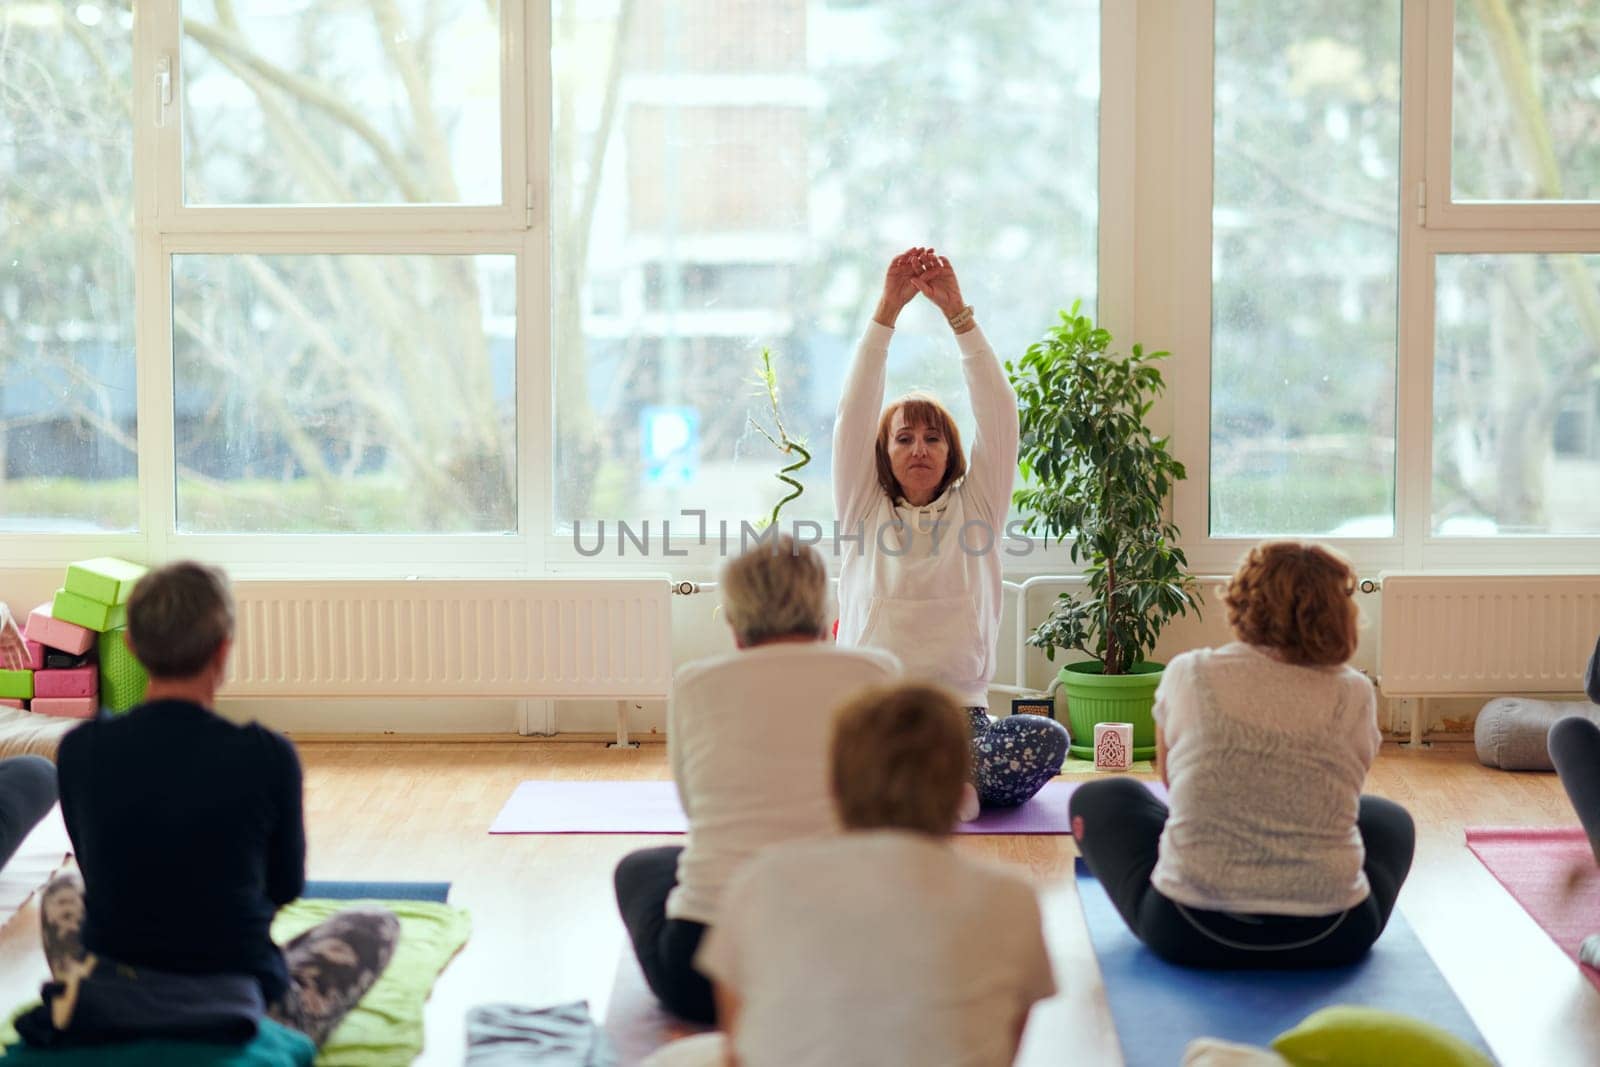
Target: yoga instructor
[[920, 526]]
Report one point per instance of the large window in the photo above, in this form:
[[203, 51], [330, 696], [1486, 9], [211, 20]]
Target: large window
[[1305, 267], [344, 394], [1516, 396], [729, 177], [1405, 346], [313, 102], [1526, 101], [68, 414]]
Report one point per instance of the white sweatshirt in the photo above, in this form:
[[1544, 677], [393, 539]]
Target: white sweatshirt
[[924, 583]]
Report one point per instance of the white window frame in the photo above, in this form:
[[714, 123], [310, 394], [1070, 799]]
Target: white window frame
[[1431, 224], [164, 226]]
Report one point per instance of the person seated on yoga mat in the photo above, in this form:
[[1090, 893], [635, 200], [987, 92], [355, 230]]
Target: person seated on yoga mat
[[189, 833], [1575, 751], [921, 568], [886, 944], [1269, 855], [747, 738]]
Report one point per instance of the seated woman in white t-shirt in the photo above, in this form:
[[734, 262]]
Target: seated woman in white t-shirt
[[884, 945], [1269, 855], [747, 737]]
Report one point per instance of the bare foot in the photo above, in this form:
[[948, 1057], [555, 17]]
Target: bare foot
[[969, 803]]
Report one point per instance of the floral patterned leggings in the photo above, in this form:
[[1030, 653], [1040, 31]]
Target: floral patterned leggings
[[1012, 758], [331, 965]]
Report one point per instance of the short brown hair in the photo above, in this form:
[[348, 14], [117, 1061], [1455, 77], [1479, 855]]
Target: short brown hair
[[776, 588], [1297, 599], [900, 757], [920, 410], [178, 617]]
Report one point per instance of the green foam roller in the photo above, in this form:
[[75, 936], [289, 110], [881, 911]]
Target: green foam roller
[[106, 580], [122, 677], [16, 685], [90, 614]]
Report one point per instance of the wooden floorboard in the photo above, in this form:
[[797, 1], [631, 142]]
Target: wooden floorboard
[[546, 929]]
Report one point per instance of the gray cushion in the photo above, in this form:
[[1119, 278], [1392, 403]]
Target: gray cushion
[[1513, 733]]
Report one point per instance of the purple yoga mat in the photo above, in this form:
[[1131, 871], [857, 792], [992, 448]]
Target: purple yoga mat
[[652, 808]]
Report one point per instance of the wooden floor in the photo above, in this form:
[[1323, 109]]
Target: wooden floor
[[546, 929]]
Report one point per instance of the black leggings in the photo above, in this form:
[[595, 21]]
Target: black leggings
[[1118, 826], [665, 947], [27, 792], [1575, 750]]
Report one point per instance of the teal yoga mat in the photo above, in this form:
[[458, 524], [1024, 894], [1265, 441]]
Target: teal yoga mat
[[361, 890], [1158, 1008]]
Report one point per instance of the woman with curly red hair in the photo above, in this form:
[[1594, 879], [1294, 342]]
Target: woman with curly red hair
[[1269, 855]]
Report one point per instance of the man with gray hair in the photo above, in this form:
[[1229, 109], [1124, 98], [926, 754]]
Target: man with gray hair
[[189, 832]]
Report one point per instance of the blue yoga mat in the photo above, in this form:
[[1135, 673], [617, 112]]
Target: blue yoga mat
[[1158, 1008], [439, 891]]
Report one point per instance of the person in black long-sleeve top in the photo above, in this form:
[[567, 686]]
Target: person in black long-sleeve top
[[188, 828]]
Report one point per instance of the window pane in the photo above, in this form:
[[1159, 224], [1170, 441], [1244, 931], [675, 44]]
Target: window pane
[[345, 394], [67, 426], [1516, 395], [728, 176], [1304, 267], [341, 102], [1526, 103]]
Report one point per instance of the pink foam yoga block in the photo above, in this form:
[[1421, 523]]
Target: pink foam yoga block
[[73, 682], [65, 707], [8, 702], [58, 634], [35, 655]]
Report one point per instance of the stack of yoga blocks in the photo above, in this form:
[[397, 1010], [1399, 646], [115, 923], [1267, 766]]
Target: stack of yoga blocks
[[78, 660]]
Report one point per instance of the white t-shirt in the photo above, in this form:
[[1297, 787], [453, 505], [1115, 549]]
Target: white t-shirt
[[747, 738], [877, 948], [924, 582], [1265, 763]]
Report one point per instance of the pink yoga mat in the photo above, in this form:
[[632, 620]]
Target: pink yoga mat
[[1553, 875], [652, 808]]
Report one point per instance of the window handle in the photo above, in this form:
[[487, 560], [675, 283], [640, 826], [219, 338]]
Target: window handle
[[163, 89]]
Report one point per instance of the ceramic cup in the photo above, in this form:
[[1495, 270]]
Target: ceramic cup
[[1113, 746]]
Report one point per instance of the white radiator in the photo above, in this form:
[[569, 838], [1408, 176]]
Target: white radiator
[[521, 638], [1466, 635]]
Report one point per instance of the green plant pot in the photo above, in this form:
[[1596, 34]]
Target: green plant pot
[[1095, 697]]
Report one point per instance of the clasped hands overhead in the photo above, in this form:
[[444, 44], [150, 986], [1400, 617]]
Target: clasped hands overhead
[[920, 270]]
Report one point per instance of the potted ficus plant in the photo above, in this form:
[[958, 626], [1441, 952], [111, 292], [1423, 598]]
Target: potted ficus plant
[[1095, 474]]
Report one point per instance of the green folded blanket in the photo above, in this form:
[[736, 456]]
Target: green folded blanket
[[386, 1027]]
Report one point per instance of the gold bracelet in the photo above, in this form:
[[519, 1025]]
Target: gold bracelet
[[962, 317]]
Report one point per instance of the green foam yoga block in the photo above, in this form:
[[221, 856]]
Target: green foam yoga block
[[90, 614], [122, 679], [105, 580], [16, 685]]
